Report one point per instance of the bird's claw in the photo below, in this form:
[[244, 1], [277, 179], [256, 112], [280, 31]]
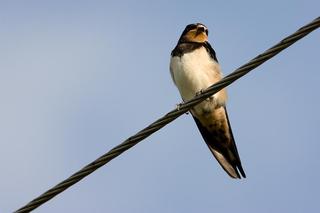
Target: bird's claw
[[179, 106], [211, 98], [199, 92]]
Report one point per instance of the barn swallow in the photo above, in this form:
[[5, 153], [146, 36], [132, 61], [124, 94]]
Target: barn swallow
[[194, 67]]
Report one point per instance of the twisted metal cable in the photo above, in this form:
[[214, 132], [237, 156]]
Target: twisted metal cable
[[172, 115]]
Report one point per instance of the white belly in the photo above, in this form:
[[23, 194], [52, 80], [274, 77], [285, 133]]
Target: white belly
[[196, 71]]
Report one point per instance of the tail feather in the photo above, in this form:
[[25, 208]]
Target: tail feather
[[223, 148], [225, 164]]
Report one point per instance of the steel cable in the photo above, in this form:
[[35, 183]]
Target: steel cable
[[172, 115]]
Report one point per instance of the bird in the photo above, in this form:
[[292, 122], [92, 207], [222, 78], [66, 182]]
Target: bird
[[194, 67]]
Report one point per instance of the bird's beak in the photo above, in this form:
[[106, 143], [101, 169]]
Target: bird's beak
[[199, 31]]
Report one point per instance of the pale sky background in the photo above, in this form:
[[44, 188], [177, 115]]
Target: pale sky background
[[79, 77]]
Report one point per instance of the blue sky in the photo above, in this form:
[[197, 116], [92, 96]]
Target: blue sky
[[79, 77]]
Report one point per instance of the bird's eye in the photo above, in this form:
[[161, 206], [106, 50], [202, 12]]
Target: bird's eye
[[206, 31]]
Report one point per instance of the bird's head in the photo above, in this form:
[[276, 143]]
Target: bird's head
[[197, 33]]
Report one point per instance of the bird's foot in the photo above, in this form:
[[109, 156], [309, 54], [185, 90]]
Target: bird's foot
[[210, 99], [178, 106], [199, 92]]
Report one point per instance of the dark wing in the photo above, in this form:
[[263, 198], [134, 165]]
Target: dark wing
[[222, 145], [210, 50], [235, 150]]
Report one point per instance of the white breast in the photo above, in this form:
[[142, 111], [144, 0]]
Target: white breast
[[194, 71]]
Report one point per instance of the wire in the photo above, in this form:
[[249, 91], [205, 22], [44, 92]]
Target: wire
[[172, 115]]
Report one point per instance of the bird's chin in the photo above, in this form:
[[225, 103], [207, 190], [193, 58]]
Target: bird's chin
[[201, 38]]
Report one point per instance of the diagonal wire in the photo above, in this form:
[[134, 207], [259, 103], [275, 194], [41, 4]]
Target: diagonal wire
[[172, 115]]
